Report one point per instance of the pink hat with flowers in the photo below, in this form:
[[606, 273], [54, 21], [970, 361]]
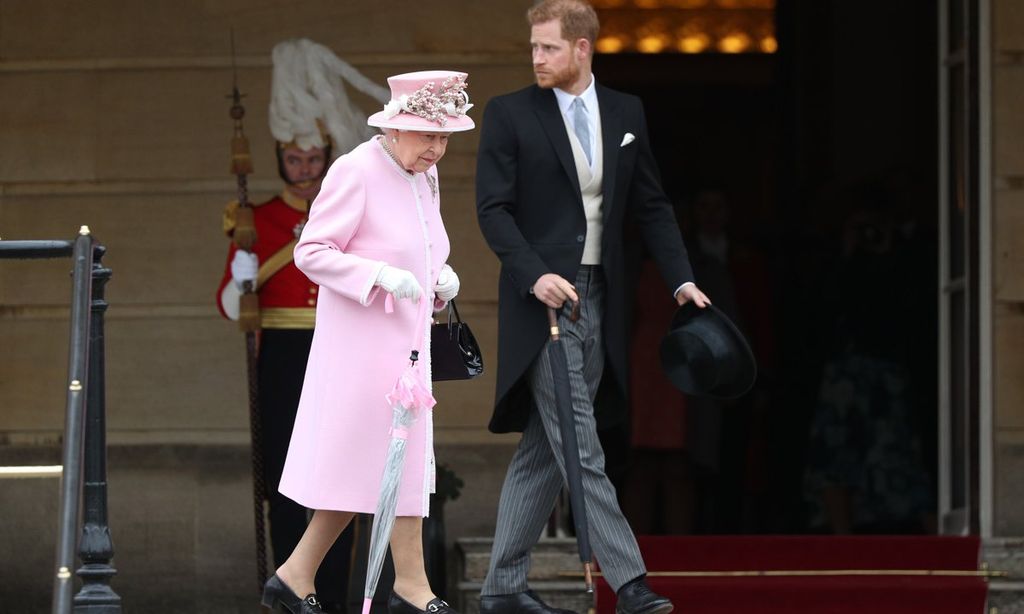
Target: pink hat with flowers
[[426, 101]]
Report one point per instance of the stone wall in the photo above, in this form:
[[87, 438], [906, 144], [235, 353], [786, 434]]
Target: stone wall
[[114, 115], [182, 524]]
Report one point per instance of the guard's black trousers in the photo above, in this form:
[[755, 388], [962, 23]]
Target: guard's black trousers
[[282, 367]]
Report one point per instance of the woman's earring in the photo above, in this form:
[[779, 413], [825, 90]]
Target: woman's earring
[[394, 140]]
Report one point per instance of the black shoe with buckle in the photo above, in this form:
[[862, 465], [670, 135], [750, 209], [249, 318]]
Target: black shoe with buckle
[[397, 605], [635, 597], [278, 597]]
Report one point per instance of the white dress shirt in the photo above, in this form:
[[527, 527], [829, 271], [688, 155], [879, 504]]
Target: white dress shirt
[[589, 97]]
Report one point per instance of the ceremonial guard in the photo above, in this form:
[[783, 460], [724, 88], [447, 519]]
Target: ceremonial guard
[[312, 121]]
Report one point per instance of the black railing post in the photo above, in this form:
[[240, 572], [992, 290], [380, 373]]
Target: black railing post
[[96, 547], [74, 418]]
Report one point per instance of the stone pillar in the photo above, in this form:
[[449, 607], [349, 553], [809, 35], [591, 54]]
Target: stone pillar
[[1008, 262], [1006, 551]]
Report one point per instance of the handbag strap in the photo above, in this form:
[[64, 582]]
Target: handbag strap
[[453, 309]]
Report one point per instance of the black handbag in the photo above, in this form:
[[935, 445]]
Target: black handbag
[[454, 353]]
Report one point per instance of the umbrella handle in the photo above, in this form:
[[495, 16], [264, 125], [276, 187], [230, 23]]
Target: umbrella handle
[[574, 315], [553, 323], [424, 306], [574, 311]]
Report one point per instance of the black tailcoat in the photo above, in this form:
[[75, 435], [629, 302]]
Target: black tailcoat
[[530, 211]]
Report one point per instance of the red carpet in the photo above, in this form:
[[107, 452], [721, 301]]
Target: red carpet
[[855, 593]]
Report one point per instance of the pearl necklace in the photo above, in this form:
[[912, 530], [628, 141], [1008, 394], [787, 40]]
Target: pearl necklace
[[394, 158]]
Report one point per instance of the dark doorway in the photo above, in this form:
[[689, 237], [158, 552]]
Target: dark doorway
[[824, 154]]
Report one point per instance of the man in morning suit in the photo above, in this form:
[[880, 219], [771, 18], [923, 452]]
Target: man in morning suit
[[562, 166]]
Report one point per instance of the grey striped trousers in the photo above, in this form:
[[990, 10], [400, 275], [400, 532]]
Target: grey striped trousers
[[536, 472]]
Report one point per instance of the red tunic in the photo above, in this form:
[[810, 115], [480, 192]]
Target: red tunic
[[287, 298]]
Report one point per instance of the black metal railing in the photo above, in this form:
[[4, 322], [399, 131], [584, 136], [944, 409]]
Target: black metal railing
[[84, 475]]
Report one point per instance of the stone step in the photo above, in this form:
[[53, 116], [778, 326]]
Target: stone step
[[567, 595], [550, 560]]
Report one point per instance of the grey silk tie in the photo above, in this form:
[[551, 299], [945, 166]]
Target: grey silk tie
[[581, 125]]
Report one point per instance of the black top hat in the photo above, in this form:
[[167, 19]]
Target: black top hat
[[704, 354]]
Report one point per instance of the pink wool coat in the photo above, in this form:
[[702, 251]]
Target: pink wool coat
[[369, 213]]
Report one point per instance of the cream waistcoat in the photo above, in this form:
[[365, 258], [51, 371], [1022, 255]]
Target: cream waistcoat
[[591, 188]]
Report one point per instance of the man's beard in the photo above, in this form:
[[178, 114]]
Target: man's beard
[[561, 79]]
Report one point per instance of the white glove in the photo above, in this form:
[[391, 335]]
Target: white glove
[[447, 286], [245, 266], [399, 283]]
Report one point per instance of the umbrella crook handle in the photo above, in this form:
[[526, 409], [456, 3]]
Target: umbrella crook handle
[[574, 311], [553, 323], [574, 315]]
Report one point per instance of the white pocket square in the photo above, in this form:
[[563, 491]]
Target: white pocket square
[[626, 140]]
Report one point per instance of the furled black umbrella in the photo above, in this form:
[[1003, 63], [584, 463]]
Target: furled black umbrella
[[570, 445]]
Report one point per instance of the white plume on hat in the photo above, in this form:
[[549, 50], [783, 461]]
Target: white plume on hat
[[307, 86]]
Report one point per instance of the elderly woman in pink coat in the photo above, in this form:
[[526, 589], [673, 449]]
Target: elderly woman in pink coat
[[375, 229]]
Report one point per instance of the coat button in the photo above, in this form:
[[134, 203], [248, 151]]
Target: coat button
[[312, 290], [580, 239], [311, 301]]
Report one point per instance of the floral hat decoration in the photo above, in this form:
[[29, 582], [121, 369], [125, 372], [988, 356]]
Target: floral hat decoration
[[426, 101]]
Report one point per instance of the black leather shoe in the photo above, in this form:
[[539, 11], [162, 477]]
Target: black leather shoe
[[527, 601], [397, 605], [635, 597], [278, 597]]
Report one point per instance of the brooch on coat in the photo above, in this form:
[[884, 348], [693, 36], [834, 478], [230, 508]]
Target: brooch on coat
[[432, 182]]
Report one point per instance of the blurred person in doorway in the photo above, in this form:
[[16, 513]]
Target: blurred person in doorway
[[865, 469]]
